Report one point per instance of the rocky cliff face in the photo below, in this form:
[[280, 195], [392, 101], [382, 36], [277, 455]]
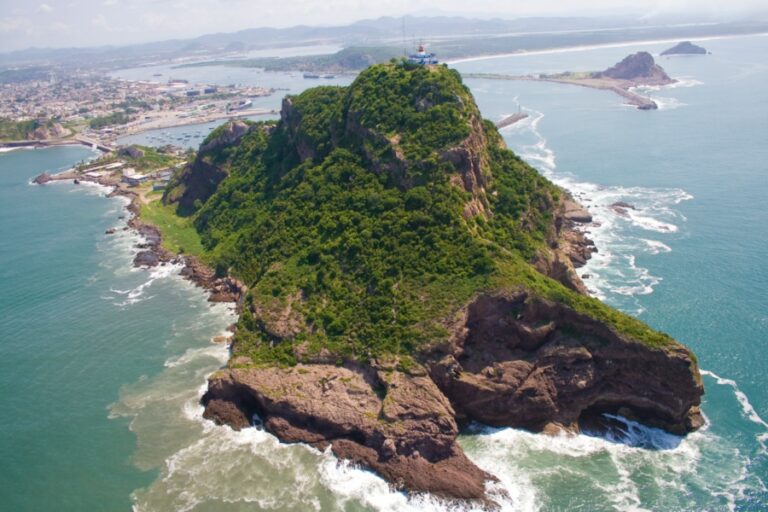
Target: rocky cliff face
[[567, 248], [515, 360], [639, 67], [197, 181], [398, 424], [511, 360], [47, 132]]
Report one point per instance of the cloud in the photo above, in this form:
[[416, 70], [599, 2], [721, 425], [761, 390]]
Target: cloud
[[11, 25], [44, 8], [100, 21]]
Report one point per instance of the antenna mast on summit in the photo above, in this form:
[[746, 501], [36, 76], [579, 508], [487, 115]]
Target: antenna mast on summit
[[405, 48]]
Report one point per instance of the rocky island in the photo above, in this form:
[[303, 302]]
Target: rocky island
[[403, 273], [636, 70], [685, 48]]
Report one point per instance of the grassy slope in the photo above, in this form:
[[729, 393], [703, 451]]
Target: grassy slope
[[179, 233]]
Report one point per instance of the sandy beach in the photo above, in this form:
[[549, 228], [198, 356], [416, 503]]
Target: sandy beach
[[586, 47]]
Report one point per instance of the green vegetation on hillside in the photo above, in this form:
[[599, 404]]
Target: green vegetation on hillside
[[353, 58], [371, 213], [119, 117], [20, 130], [179, 234], [151, 159]]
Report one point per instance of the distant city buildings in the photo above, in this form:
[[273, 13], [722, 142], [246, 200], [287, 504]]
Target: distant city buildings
[[78, 98]]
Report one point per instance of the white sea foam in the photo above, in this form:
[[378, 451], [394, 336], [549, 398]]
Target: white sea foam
[[656, 247], [92, 188], [136, 294], [684, 82], [667, 103], [212, 351], [614, 272], [747, 409]]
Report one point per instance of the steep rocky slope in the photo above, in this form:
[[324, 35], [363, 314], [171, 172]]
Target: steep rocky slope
[[638, 67], [196, 182], [407, 273]]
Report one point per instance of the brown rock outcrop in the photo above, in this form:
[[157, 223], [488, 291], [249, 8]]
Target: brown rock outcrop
[[512, 360], [398, 424], [222, 289], [638, 67], [470, 161], [569, 248], [131, 152], [42, 179], [520, 361], [198, 180]]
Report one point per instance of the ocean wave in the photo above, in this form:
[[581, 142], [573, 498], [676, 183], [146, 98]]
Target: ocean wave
[[656, 247], [684, 82], [748, 411], [614, 274], [605, 465], [92, 188], [663, 102], [212, 351], [135, 295], [666, 103]]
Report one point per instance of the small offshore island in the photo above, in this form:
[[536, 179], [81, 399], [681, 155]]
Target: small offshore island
[[685, 48], [400, 273]]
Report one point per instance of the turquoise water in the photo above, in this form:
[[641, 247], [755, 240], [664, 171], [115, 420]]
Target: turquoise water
[[75, 329], [101, 365]]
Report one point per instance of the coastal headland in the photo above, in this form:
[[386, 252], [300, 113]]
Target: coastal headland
[[400, 273], [636, 70]]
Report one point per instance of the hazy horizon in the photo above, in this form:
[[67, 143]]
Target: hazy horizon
[[86, 23]]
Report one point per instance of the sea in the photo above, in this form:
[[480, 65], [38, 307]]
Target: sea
[[102, 365]]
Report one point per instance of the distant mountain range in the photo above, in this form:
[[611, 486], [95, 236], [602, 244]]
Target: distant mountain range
[[451, 36]]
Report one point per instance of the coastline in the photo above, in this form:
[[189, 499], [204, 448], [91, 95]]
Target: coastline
[[152, 253], [514, 454], [587, 47], [162, 123], [106, 145], [621, 87]]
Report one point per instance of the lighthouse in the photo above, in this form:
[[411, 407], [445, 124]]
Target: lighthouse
[[422, 57]]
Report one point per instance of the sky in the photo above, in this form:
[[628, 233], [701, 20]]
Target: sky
[[67, 23]]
